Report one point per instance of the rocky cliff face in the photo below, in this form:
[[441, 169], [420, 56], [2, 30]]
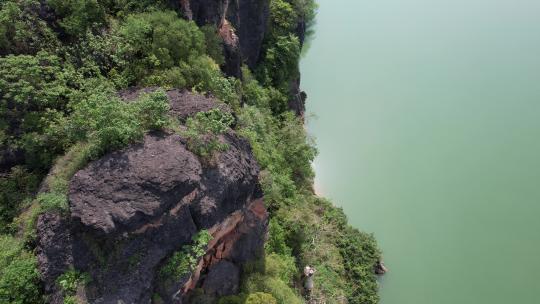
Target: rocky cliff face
[[132, 209], [242, 25]]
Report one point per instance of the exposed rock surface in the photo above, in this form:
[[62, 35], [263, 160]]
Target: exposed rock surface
[[297, 103], [132, 209], [183, 103], [242, 25], [222, 279], [245, 20]]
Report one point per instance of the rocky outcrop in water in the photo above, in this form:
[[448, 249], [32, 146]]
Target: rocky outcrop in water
[[132, 209]]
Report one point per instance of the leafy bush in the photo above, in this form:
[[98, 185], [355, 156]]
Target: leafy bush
[[276, 242], [204, 76], [104, 120], [71, 300], [19, 277], [283, 18], [70, 280], [280, 266], [97, 125], [203, 132], [283, 150], [79, 16], [306, 10], [53, 201], [157, 40], [158, 48], [95, 55], [260, 298], [10, 249], [122, 8], [110, 123], [21, 29], [33, 92], [263, 97], [16, 188], [280, 63], [152, 110], [360, 253], [184, 261], [214, 47], [277, 288]]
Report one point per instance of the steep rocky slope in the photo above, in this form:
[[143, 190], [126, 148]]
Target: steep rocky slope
[[132, 209], [243, 25]]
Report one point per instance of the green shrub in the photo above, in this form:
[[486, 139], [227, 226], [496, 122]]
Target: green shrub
[[283, 150], [34, 92], [10, 249], [253, 94], [283, 18], [19, 277], [21, 29], [152, 110], [110, 123], [280, 63], [66, 166], [306, 10], [105, 120], [184, 261], [79, 16], [16, 189], [276, 242], [360, 253], [53, 201], [167, 78], [70, 280], [280, 266], [204, 76], [160, 49], [279, 289], [157, 40], [214, 43], [122, 8], [71, 300], [95, 55], [203, 130], [177, 266], [260, 298]]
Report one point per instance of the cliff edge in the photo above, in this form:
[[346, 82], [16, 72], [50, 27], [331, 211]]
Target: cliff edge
[[133, 209]]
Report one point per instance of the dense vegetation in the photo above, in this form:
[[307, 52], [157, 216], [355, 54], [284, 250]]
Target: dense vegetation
[[58, 110]]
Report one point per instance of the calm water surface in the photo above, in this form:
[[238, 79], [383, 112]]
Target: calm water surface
[[429, 135]]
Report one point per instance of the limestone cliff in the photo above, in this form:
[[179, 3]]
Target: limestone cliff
[[132, 209]]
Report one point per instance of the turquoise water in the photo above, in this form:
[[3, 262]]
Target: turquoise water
[[428, 126]]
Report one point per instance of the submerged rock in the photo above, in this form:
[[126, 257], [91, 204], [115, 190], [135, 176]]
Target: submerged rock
[[133, 208]]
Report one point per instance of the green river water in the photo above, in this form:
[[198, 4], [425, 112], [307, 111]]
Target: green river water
[[428, 127]]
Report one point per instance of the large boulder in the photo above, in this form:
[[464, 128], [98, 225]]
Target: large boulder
[[134, 208]]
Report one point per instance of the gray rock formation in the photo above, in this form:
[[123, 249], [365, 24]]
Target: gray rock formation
[[249, 19], [133, 208]]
